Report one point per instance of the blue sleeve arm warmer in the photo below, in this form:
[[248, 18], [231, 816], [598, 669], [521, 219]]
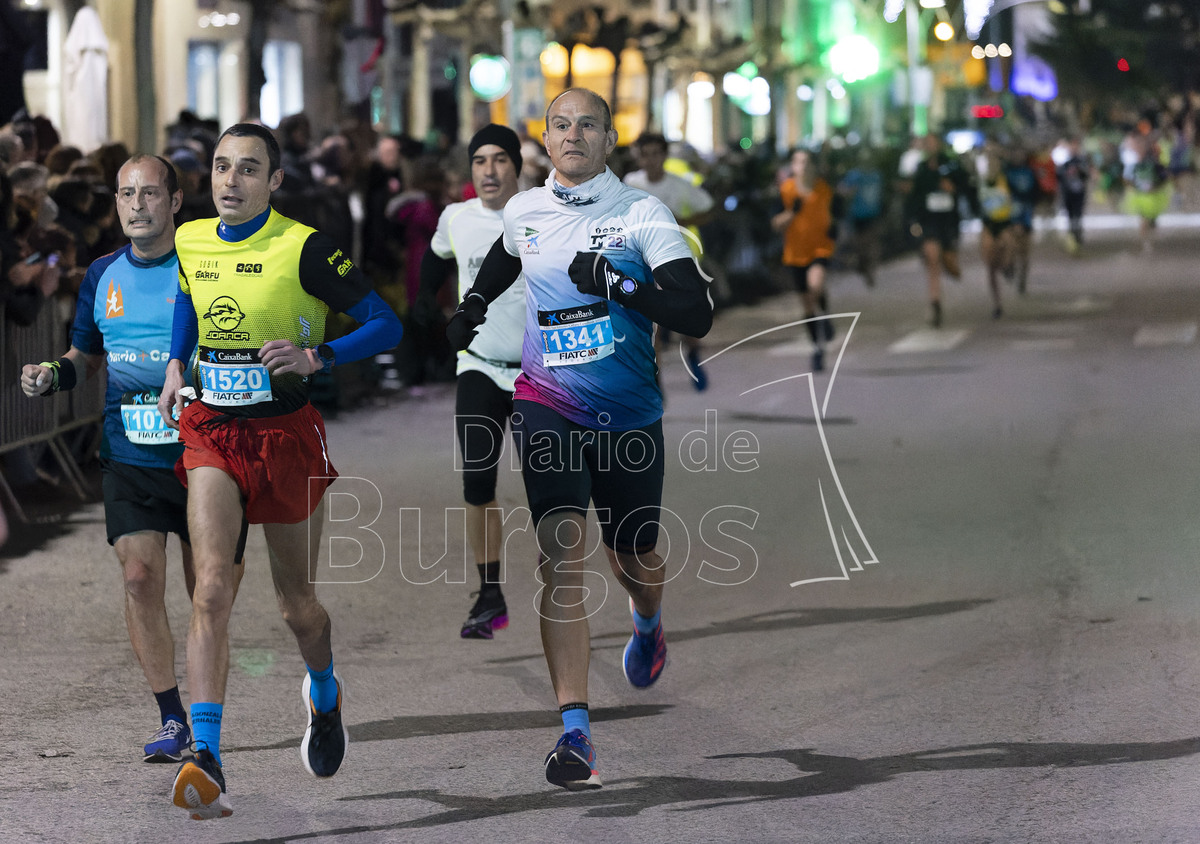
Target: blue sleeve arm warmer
[[379, 329], [185, 328]]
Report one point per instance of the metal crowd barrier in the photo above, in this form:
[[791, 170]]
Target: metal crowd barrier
[[30, 422]]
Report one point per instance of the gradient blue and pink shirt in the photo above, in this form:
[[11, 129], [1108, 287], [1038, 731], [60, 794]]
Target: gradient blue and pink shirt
[[124, 310], [589, 359]]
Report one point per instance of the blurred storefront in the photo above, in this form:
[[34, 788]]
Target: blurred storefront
[[713, 73], [174, 55]]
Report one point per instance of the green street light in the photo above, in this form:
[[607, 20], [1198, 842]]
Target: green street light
[[854, 58], [489, 76]]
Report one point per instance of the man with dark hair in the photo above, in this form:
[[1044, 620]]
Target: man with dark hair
[[121, 319], [295, 146], [692, 206], [939, 186], [31, 194], [1073, 176], [488, 368], [603, 262], [193, 178], [255, 289]]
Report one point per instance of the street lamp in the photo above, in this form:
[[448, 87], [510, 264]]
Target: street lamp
[[920, 77], [920, 81], [975, 14], [854, 58]]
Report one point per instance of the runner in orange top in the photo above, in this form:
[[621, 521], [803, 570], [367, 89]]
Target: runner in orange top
[[806, 222]]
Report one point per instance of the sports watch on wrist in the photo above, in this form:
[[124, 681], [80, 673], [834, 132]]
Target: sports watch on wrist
[[627, 287], [327, 355]]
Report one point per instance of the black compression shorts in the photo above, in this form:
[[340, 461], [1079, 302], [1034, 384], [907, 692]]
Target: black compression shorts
[[800, 274], [140, 498], [565, 465], [480, 412]]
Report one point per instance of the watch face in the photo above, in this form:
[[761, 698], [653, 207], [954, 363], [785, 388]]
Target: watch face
[[628, 285]]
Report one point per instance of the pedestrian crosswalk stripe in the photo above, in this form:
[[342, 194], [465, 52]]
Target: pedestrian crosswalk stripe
[[1044, 344], [803, 346], [928, 340], [1166, 334], [1085, 304]]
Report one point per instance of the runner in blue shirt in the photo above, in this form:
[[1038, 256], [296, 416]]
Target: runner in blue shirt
[[123, 319]]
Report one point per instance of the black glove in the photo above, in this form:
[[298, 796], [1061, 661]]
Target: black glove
[[460, 330], [594, 275]]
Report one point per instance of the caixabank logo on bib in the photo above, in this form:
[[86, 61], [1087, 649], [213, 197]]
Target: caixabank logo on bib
[[225, 315], [231, 356]]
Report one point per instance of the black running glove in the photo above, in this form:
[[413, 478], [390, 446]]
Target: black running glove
[[594, 275], [471, 314]]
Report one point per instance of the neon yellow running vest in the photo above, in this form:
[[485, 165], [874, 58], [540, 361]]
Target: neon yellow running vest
[[247, 293]]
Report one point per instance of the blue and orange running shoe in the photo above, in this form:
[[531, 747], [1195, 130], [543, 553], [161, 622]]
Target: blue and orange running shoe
[[572, 763], [325, 736], [199, 787], [645, 656]]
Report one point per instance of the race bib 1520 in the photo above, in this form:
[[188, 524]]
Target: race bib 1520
[[233, 377]]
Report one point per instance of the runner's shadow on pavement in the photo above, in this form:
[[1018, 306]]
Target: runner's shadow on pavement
[[790, 619], [414, 726], [39, 532], [817, 775]]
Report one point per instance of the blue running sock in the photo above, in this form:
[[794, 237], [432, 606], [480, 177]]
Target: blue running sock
[[206, 727], [575, 717], [323, 690], [646, 626]]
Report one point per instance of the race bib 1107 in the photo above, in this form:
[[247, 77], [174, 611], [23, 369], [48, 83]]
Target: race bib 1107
[[143, 423]]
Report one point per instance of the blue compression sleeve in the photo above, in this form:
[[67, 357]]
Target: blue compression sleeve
[[379, 329], [185, 328]]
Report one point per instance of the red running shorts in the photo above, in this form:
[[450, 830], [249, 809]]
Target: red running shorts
[[280, 463]]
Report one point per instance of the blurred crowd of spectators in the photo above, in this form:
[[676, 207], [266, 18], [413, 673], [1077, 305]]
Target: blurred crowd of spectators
[[381, 194]]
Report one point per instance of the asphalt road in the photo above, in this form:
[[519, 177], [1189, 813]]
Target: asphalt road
[[945, 593]]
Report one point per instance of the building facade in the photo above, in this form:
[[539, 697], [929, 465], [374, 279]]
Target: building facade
[[713, 73]]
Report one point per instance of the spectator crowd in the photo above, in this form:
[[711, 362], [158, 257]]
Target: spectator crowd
[[383, 193]]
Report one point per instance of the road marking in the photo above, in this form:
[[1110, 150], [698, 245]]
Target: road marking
[[928, 340], [1044, 344], [1166, 334], [792, 348], [1082, 305], [802, 347]]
